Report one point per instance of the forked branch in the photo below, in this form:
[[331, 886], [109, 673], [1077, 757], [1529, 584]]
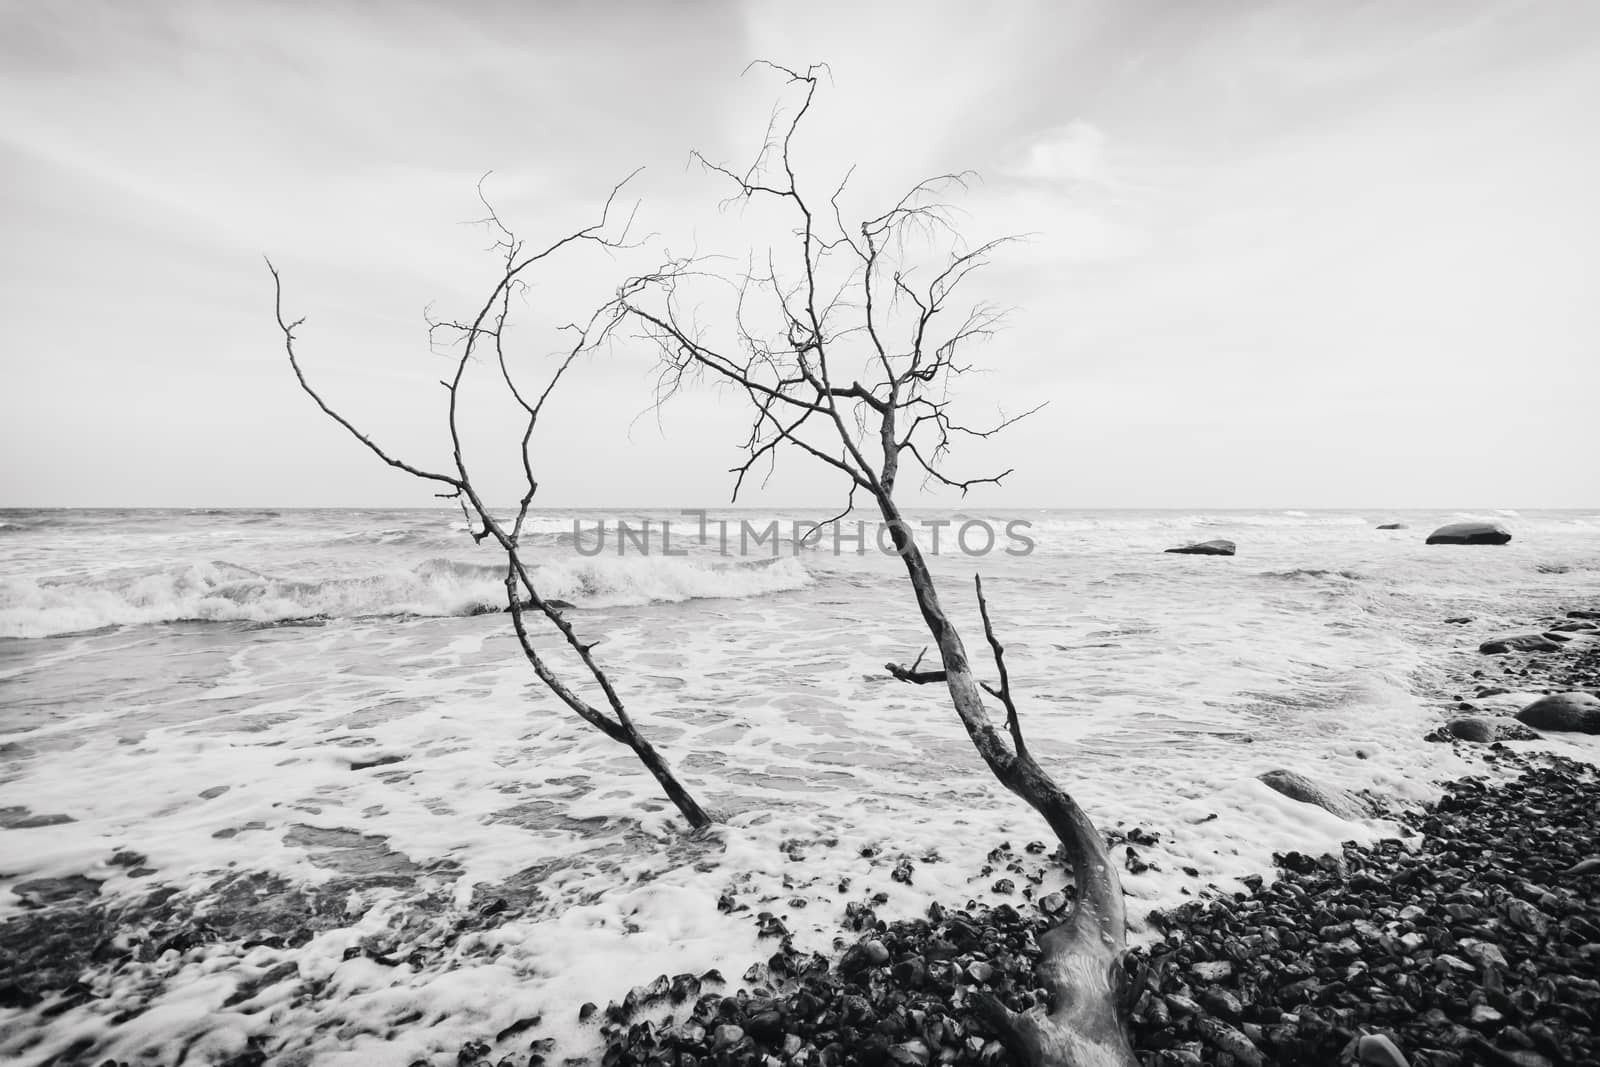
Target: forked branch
[[855, 367], [912, 674], [1003, 693], [613, 719]]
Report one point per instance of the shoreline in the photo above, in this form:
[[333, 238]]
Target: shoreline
[[1473, 940], [996, 935]]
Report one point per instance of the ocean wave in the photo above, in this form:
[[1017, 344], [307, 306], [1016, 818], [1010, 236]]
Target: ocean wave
[[241, 514], [400, 536], [1299, 573], [219, 591], [655, 579], [1287, 518]]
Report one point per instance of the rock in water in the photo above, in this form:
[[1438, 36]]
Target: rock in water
[[1470, 533], [1482, 731], [1206, 548], [18, 817], [1572, 712], [41, 891], [1392, 526], [1344, 804], [1472, 729], [1519, 643]]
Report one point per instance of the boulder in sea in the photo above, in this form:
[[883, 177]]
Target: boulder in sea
[[1206, 548], [1470, 533], [1569, 712], [1392, 526], [1519, 643], [1593, 616], [1574, 626], [1295, 786]]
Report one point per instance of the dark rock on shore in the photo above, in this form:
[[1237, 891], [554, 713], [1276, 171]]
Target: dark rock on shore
[[1570, 712], [1472, 729], [1520, 643], [1470, 533], [1206, 548], [1295, 786], [1482, 731]]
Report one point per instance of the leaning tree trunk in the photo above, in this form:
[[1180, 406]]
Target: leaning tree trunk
[[1082, 966], [619, 726]]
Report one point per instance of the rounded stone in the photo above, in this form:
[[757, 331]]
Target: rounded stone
[[1569, 712], [1470, 533]]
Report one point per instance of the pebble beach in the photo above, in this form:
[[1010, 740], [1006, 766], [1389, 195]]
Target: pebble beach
[[1474, 938]]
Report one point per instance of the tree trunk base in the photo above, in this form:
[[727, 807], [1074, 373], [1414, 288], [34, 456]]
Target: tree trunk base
[[1091, 991]]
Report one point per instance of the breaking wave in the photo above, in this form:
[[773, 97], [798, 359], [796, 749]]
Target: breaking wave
[[1285, 519], [1311, 572], [224, 592]]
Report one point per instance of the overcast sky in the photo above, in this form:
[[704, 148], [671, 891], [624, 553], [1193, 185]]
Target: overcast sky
[[1286, 254]]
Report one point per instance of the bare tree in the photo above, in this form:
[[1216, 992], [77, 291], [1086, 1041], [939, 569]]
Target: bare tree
[[468, 339], [846, 343]]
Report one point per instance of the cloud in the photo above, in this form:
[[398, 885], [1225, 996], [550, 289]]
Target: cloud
[[1058, 227], [1075, 152], [1059, 190]]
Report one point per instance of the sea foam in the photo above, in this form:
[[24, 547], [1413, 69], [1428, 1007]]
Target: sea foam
[[219, 591], [1156, 686]]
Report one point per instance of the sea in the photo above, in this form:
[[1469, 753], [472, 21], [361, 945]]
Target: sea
[[330, 706]]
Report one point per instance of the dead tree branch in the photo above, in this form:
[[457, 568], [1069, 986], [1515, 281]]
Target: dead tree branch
[[913, 675], [613, 718], [1003, 693], [849, 349]]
